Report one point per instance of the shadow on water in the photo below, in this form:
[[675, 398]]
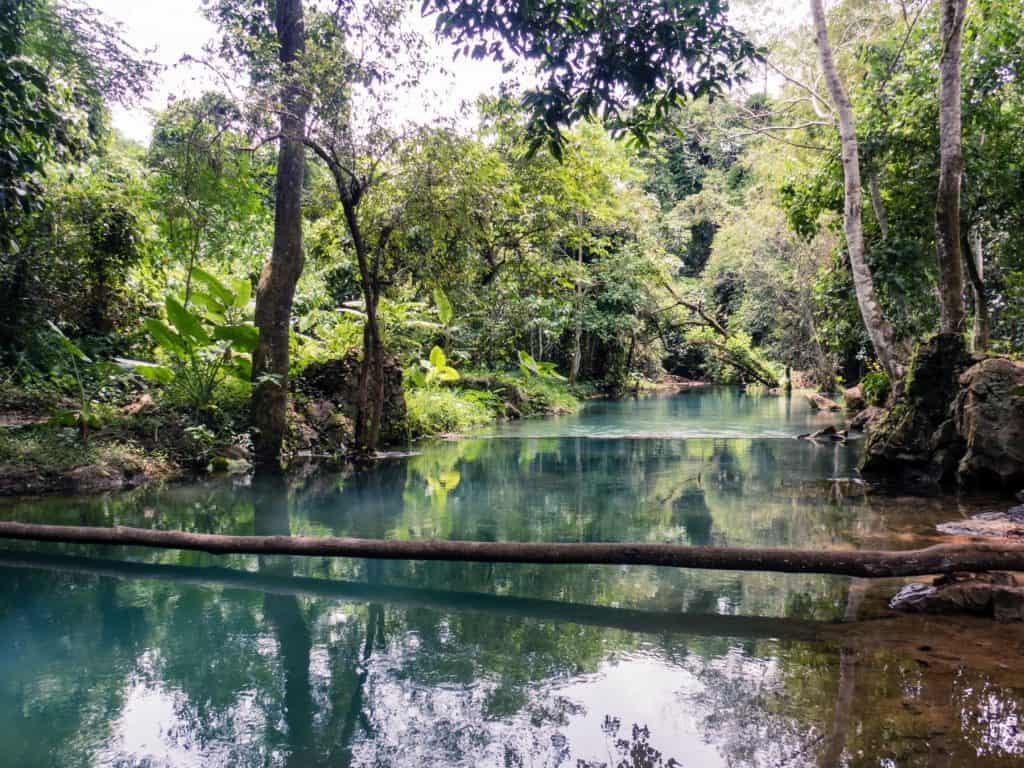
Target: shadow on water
[[129, 657]]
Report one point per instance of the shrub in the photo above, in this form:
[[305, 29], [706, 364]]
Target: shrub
[[436, 411], [876, 387]]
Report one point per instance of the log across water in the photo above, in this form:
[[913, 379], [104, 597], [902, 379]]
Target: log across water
[[943, 558]]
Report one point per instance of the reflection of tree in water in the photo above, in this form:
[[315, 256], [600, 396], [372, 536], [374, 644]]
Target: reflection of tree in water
[[691, 511], [634, 751]]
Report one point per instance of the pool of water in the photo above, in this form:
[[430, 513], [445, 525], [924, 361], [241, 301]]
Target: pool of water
[[129, 657]]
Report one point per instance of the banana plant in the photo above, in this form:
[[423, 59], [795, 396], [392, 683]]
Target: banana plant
[[202, 348]]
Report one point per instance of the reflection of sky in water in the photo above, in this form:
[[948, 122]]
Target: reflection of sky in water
[[348, 662]]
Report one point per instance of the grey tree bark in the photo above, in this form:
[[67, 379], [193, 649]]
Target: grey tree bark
[[974, 259], [951, 166], [883, 338], [276, 289]]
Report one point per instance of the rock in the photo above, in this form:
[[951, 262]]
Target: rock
[[819, 402], [96, 477], [1008, 524], [995, 595], [863, 421], [235, 452], [854, 398], [827, 433], [911, 444], [989, 417], [144, 403], [336, 382]]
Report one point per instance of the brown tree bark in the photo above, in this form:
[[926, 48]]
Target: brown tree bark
[[883, 338], [951, 166], [939, 559], [276, 289]]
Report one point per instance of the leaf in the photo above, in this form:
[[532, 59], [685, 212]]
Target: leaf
[[444, 307], [210, 304], [448, 374], [527, 363], [151, 371], [188, 324], [241, 368], [68, 345], [165, 337], [437, 358], [243, 292], [244, 338], [418, 379], [219, 291]]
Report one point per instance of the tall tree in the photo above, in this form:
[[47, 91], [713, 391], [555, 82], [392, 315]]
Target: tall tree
[[281, 273], [951, 167], [879, 329]]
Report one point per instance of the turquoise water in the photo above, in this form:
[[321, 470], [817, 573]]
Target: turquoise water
[[127, 657]]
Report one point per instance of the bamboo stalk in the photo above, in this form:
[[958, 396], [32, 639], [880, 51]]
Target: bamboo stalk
[[939, 559]]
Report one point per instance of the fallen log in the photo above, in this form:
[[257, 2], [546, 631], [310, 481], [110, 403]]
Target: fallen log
[[939, 559]]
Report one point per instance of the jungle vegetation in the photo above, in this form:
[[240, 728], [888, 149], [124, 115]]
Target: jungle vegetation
[[683, 194]]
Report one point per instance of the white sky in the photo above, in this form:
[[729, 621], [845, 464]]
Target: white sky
[[172, 28]]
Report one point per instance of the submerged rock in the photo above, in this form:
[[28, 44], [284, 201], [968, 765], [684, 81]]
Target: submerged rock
[[826, 433], [993, 595], [1008, 524]]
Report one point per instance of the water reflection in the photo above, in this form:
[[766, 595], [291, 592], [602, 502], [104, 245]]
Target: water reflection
[[135, 657]]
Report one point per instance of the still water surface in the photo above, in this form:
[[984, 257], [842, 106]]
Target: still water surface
[[127, 657]]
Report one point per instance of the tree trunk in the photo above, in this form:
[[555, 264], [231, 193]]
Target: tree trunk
[[577, 340], [881, 332], [874, 564], [276, 289], [982, 330], [951, 166]]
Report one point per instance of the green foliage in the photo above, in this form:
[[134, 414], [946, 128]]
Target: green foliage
[[629, 62], [201, 349], [876, 386], [89, 386], [531, 367], [435, 370], [434, 411]]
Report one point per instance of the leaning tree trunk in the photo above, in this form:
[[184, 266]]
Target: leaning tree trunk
[[276, 289], [883, 338], [975, 260], [951, 166]]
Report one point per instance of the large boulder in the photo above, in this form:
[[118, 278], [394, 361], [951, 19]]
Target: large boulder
[[332, 387], [915, 443], [989, 418], [853, 398]]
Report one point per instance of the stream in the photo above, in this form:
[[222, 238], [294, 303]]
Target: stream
[[131, 657]]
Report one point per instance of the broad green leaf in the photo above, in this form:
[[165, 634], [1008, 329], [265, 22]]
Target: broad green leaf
[[219, 291], [444, 307], [418, 379], [244, 338], [243, 292], [188, 324], [241, 368], [158, 373], [437, 358], [68, 345], [210, 304], [165, 337], [448, 374]]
